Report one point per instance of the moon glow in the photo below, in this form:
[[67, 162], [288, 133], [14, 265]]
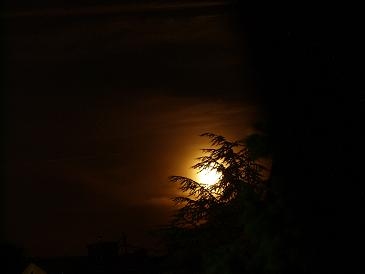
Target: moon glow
[[208, 176]]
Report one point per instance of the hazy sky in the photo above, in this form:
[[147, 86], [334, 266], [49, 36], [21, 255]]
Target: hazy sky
[[100, 110]]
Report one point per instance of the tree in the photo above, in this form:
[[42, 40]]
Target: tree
[[12, 257], [222, 228], [240, 176]]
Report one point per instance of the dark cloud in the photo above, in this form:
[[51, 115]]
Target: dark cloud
[[88, 179], [101, 111], [190, 54]]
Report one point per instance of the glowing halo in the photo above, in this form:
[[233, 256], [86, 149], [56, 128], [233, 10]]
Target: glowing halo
[[209, 176]]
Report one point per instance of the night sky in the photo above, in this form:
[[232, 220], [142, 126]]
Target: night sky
[[102, 104]]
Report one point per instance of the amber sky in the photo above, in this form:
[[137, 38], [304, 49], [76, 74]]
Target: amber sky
[[101, 108]]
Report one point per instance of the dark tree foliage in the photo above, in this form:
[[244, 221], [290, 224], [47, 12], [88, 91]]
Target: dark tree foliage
[[240, 175], [12, 258], [228, 227]]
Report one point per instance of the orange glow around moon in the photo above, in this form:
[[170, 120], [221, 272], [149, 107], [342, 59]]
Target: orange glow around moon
[[208, 176]]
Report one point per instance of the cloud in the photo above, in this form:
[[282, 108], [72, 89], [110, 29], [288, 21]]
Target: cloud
[[103, 112]]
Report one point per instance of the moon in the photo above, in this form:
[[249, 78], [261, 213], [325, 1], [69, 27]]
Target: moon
[[209, 176]]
